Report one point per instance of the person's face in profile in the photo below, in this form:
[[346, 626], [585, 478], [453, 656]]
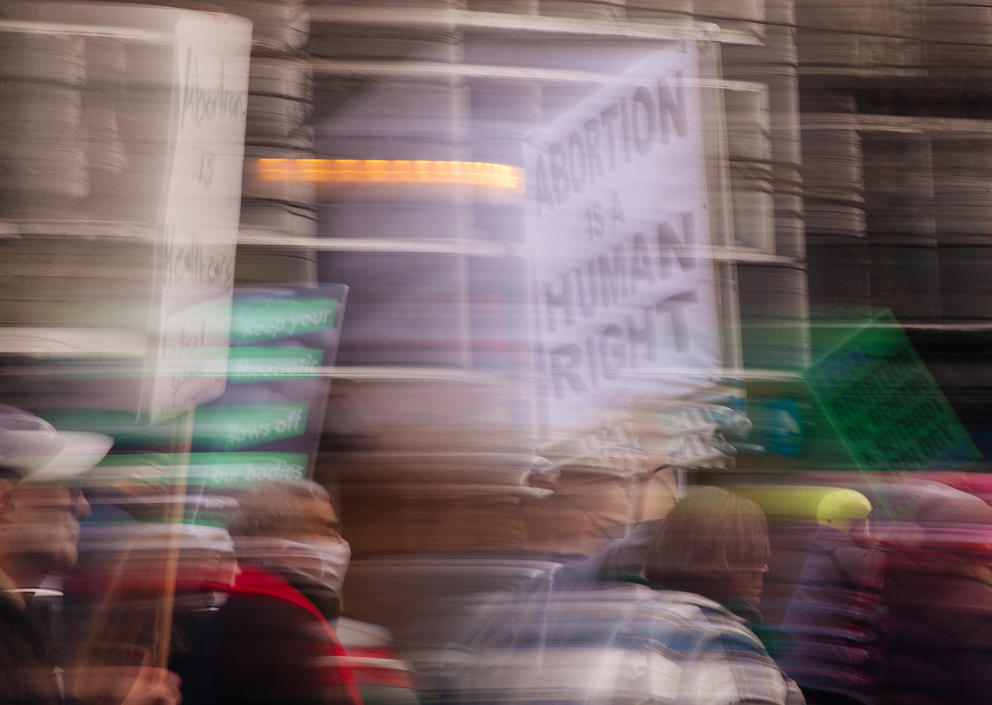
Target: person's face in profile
[[752, 583], [40, 525], [317, 520]]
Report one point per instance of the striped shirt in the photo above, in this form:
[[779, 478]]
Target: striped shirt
[[617, 646]]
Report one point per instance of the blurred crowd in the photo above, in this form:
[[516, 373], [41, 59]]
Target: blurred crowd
[[833, 588]]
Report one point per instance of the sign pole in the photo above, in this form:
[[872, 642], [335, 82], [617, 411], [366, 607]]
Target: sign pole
[[182, 442]]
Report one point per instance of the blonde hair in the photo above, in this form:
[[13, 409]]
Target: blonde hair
[[708, 543]]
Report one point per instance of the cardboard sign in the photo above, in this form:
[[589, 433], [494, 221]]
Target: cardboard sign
[[135, 288], [618, 228], [199, 223]]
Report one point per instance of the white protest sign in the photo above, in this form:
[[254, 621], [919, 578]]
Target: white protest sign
[[618, 229], [198, 229]]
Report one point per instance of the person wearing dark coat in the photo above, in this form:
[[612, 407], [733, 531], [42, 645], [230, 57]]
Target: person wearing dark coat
[[268, 644], [938, 590], [27, 664], [271, 642], [40, 513]]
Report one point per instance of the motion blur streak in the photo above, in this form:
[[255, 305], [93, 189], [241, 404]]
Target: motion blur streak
[[501, 177]]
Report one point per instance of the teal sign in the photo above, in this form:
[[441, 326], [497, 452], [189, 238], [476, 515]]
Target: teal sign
[[779, 426], [216, 426], [232, 426], [264, 319], [885, 404], [216, 470], [272, 363]]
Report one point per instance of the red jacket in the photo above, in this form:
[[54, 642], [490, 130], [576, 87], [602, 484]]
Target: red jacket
[[266, 645]]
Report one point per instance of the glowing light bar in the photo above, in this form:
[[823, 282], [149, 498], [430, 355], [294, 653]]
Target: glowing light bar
[[350, 172]]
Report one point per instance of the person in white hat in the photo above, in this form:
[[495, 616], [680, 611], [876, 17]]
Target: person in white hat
[[40, 511]]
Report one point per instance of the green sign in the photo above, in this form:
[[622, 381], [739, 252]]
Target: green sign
[[225, 426], [272, 363], [211, 469], [885, 404], [232, 426], [260, 320]]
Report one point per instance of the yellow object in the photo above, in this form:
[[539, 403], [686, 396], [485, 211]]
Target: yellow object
[[830, 506], [352, 172]]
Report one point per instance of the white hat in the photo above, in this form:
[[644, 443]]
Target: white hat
[[32, 448]]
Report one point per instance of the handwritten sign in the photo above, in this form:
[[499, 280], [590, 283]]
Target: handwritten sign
[[618, 226], [199, 222]]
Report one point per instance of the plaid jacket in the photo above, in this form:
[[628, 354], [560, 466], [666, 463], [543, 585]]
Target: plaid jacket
[[617, 646]]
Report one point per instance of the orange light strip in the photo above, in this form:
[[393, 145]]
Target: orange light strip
[[348, 172]]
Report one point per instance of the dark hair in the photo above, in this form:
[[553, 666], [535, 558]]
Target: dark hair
[[708, 544]]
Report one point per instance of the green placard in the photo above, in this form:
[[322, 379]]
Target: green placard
[[234, 469], [272, 363], [211, 469], [886, 406], [260, 320], [232, 426], [225, 426]]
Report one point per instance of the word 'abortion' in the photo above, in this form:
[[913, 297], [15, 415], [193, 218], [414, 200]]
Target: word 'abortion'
[[630, 126]]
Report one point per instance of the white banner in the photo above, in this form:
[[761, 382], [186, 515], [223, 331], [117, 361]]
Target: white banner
[[618, 228]]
